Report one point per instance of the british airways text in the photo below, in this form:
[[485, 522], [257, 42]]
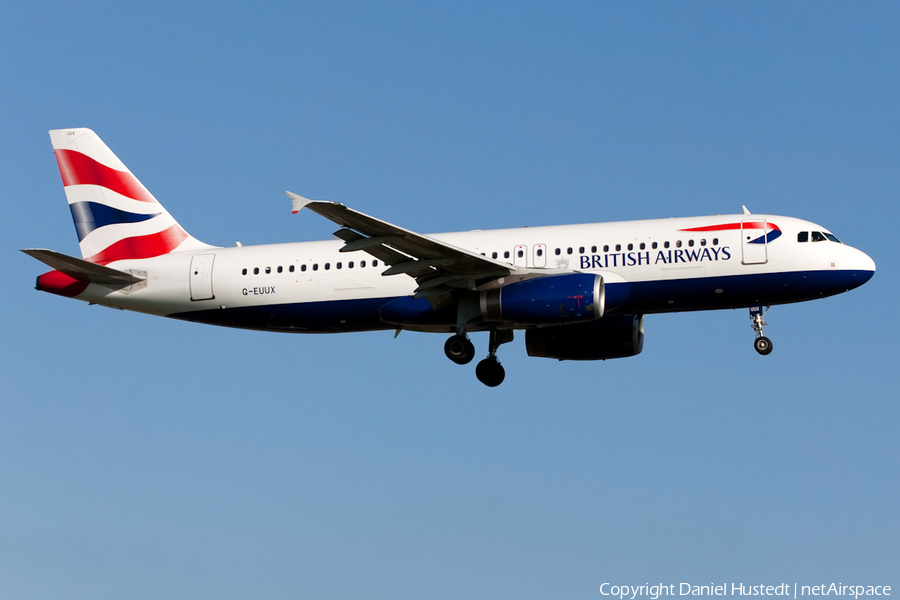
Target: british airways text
[[633, 259]]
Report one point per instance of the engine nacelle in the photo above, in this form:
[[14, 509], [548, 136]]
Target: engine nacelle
[[546, 300], [612, 337]]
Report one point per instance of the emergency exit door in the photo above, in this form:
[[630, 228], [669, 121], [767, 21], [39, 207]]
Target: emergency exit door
[[540, 256], [201, 276], [520, 257]]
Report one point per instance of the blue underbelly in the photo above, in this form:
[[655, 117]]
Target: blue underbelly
[[676, 295]]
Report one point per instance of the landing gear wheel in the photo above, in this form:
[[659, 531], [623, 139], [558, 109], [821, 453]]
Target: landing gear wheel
[[459, 349], [490, 372], [763, 345]]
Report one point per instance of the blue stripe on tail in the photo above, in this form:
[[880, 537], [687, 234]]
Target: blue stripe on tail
[[89, 216]]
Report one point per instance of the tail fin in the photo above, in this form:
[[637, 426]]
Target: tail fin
[[115, 216]]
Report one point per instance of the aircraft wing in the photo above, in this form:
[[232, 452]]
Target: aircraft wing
[[436, 266]]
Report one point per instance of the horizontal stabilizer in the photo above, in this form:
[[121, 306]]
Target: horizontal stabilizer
[[81, 270]]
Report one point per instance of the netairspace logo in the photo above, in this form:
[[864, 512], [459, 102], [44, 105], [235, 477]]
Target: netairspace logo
[[654, 592]]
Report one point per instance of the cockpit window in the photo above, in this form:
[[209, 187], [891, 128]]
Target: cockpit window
[[803, 236], [817, 236], [831, 237]]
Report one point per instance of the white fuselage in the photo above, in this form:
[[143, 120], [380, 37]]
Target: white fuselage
[[666, 267]]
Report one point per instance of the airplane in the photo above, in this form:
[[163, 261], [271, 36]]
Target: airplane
[[580, 292]]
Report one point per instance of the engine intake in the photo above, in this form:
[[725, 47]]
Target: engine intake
[[546, 300], [611, 337]]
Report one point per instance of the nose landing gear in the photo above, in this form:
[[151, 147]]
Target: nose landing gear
[[489, 371], [762, 344]]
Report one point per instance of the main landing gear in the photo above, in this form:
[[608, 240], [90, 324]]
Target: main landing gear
[[489, 371], [762, 344], [459, 349]]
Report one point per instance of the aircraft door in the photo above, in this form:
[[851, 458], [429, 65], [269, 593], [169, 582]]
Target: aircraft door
[[753, 242], [201, 276], [540, 256], [520, 258]]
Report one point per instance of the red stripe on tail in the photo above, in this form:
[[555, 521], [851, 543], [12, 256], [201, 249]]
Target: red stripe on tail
[[143, 246], [79, 169]]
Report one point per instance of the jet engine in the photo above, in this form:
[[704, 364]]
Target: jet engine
[[546, 300], [611, 337]]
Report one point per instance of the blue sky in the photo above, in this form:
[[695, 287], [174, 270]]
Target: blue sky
[[147, 458]]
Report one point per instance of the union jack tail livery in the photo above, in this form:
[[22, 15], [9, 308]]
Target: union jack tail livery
[[115, 216]]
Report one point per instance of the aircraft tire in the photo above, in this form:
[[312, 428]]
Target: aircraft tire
[[763, 345], [459, 349], [490, 372]]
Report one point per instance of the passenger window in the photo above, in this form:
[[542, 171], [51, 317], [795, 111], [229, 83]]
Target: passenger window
[[350, 265], [268, 270], [374, 263], [630, 246], [618, 247], [493, 255], [327, 266], [581, 250], [339, 265], [691, 243], [703, 242], [303, 267], [540, 252], [803, 236], [817, 236], [280, 269], [715, 241], [506, 254], [568, 251], [665, 244], [291, 268], [244, 272], [678, 243], [643, 245], [315, 266], [520, 253], [593, 249], [362, 264], [256, 270], [606, 248], [654, 245]]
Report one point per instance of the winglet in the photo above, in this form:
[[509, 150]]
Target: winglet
[[297, 202], [745, 209]]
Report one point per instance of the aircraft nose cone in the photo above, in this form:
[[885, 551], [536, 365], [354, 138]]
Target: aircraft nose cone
[[867, 264], [862, 267]]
